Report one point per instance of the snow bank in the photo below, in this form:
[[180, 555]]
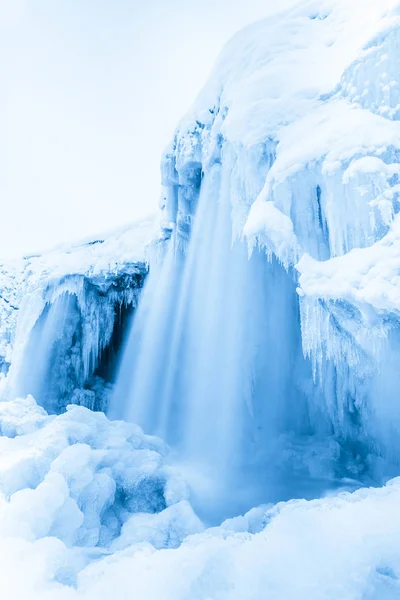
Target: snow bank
[[91, 509], [87, 481]]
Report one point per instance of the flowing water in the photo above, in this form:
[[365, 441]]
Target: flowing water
[[214, 357], [50, 360]]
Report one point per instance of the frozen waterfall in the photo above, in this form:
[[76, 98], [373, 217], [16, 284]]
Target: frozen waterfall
[[244, 345], [214, 363], [69, 337], [45, 373]]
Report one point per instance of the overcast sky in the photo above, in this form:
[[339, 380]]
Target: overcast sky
[[90, 93]]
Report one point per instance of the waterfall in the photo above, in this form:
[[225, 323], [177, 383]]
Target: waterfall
[[69, 338], [214, 363], [51, 358]]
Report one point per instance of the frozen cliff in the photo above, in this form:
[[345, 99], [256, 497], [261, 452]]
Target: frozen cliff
[[260, 363], [63, 314]]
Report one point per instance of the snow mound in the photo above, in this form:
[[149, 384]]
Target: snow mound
[[87, 481], [90, 508]]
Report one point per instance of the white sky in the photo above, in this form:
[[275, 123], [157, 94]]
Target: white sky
[[90, 93]]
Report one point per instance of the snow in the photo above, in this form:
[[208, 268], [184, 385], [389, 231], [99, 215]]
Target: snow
[[82, 478], [310, 82], [275, 71], [84, 513], [366, 276], [102, 257], [270, 228]]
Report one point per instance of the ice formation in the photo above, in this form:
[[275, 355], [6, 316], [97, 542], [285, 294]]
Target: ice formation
[[263, 349], [62, 311]]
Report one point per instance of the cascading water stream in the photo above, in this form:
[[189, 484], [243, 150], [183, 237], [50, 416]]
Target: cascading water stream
[[214, 358], [45, 371]]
